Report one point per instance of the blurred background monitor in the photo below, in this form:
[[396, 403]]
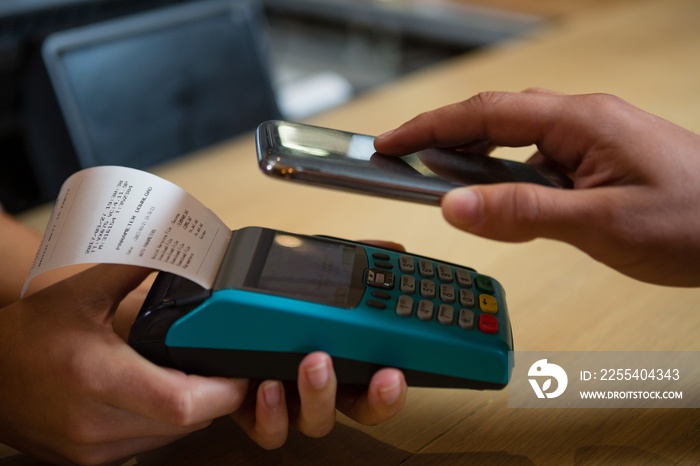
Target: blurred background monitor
[[142, 89], [24, 24]]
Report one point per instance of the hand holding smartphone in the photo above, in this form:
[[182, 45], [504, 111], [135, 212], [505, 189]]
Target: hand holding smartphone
[[347, 161]]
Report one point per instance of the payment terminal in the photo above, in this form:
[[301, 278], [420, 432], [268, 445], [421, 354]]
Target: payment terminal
[[279, 296]]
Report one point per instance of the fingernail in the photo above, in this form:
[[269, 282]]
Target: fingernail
[[318, 375], [390, 394], [272, 392], [462, 207]]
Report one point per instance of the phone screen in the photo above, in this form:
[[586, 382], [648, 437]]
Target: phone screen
[[347, 160]]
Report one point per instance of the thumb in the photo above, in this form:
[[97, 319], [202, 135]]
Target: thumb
[[106, 285], [517, 212]]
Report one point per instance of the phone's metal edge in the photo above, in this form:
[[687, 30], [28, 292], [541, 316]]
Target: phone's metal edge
[[369, 187]]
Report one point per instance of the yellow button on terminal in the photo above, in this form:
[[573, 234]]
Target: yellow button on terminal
[[488, 303]]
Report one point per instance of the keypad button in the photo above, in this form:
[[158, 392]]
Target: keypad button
[[408, 284], [381, 294], [445, 273], [426, 269], [427, 289], [466, 298], [446, 314], [379, 278], [384, 265], [376, 304], [381, 256], [466, 319], [447, 293], [404, 306], [406, 264], [488, 303], [488, 323], [484, 284], [425, 310], [464, 278]]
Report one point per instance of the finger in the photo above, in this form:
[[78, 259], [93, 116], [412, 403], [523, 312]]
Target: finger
[[522, 211], [386, 245], [540, 160], [96, 424], [134, 384], [505, 119], [266, 420], [102, 287], [120, 377], [384, 398], [537, 158], [129, 307], [317, 389], [476, 147], [542, 90], [498, 117]]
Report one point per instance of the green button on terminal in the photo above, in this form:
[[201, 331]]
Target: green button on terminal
[[484, 284]]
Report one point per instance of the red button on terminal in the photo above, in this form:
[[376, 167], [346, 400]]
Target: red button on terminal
[[488, 323]]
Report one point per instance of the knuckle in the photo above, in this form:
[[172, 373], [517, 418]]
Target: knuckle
[[526, 206], [480, 106], [605, 103], [486, 99], [427, 120], [541, 90], [178, 407]]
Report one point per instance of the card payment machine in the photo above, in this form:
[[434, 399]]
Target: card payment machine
[[279, 296]]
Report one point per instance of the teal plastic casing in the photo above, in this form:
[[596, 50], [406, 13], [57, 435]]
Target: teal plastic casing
[[241, 331]]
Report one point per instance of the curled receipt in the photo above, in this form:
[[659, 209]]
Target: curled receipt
[[120, 215]]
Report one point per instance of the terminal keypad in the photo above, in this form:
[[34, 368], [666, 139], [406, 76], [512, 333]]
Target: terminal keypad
[[433, 292]]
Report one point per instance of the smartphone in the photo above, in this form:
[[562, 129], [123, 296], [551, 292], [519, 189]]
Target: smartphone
[[279, 296], [338, 159]]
